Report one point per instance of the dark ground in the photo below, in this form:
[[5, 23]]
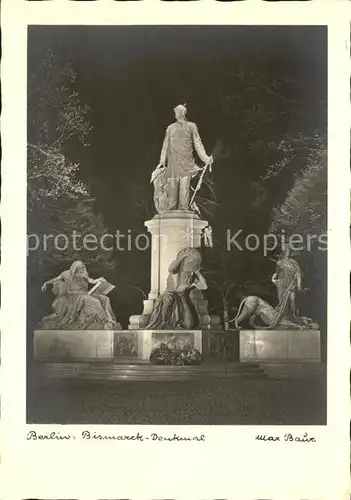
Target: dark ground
[[219, 402]]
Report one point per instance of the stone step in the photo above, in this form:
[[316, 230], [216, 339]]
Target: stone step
[[145, 378], [294, 370], [154, 372], [147, 367], [141, 372]]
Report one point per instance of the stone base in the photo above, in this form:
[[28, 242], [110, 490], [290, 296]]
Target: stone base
[[213, 344], [117, 345], [42, 374], [51, 345], [282, 345], [245, 345]]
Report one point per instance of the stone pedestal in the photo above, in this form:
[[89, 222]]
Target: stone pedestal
[[283, 345], [51, 345], [119, 345], [170, 232]]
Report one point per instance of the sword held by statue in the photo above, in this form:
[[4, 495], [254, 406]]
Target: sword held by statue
[[198, 185]]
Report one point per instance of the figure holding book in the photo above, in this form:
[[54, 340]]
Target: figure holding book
[[76, 307]]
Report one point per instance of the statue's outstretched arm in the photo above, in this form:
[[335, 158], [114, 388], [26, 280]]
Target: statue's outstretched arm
[[51, 281], [57, 278], [199, 147]]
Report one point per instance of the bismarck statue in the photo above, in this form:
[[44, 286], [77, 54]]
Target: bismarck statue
[[177, 165]]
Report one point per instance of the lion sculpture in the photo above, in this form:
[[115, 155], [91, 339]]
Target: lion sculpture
[[252, 307]]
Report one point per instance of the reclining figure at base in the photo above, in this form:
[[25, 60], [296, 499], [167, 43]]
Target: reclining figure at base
[[75, 306]]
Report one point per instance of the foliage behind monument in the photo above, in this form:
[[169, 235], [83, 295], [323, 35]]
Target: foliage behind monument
[[59, 201]]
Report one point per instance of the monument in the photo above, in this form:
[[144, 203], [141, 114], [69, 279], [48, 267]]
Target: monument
[[175, 326], [177, 224]]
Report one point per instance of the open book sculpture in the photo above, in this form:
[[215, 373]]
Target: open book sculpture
[[102, 287]]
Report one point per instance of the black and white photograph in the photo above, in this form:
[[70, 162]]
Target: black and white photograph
[[177, 225], [175, 250]]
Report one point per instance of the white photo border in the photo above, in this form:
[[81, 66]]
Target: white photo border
[[230, 464]]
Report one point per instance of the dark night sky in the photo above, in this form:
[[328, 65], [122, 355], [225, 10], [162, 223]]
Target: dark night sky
[[133, 76]]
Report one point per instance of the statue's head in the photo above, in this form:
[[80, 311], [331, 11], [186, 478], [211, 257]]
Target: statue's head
[[187, 260], [285, 254], [78, 267], [180, 111]]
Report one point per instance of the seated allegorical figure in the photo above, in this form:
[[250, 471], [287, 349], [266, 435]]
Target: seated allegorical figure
[[75, 307], [174, 309]]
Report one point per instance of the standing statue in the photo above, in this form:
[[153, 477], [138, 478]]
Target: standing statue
[[75, 306], [174, 309], [288, 280], [177, 165]]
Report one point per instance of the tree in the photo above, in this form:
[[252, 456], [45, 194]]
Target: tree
[[59, 201], [56, 115], [304, 208]]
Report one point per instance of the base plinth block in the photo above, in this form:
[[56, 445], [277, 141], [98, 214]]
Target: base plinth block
[[73, 344], [117, 345], [288, 345]]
